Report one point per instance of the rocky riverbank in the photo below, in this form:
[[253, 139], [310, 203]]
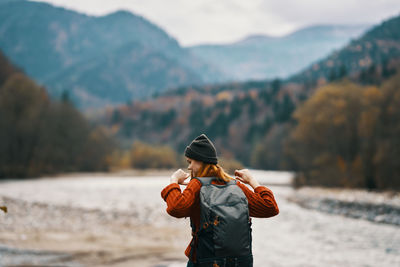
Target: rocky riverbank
[[380, 207], [39, 234]]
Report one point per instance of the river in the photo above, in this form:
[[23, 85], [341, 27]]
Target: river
[[295, 237]]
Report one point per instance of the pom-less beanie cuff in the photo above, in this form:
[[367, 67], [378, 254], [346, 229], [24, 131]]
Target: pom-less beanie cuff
[[202, 149], [194, 155]]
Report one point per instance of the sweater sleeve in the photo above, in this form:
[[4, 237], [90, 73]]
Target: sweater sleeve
[[262, 202], [179, 204]]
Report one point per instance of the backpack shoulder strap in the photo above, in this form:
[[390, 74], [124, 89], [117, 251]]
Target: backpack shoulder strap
[[231, 182], [208, 180], [204, 180]]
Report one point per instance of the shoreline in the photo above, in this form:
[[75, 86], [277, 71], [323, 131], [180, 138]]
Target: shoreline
[[122, 173], [378, 207], [129, 173]]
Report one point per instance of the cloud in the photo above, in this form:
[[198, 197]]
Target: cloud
[[339, 11], [210, 21]]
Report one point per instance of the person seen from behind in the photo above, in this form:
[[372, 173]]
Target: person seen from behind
[[219, 207]]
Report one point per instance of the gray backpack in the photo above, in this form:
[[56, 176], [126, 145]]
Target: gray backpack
[[225, 224]]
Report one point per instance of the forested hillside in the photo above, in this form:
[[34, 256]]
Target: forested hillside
[[40, 136], [348, 135], [253, 121]]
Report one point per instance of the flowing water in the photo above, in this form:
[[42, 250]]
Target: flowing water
[[295, 237]]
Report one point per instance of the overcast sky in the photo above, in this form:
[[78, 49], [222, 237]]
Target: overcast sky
[[223, 21]]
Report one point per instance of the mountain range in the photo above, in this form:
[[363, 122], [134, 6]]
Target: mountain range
[[119, 57], [378, 47], [261, 57], [97, 60]]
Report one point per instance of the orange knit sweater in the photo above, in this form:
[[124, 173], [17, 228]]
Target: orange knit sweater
[[261, 202]]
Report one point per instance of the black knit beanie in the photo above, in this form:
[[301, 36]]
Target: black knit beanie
[[202, 149]]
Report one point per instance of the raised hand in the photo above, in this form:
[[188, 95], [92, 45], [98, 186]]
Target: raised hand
[[245, 176], [179, 177]]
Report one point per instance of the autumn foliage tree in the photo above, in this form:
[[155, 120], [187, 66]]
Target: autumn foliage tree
[[145, 156], [41, 136], [387, 153], [346, 136], [22, 107], [268, 153]]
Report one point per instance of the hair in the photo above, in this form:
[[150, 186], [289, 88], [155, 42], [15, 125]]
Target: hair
[[215, 170]]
